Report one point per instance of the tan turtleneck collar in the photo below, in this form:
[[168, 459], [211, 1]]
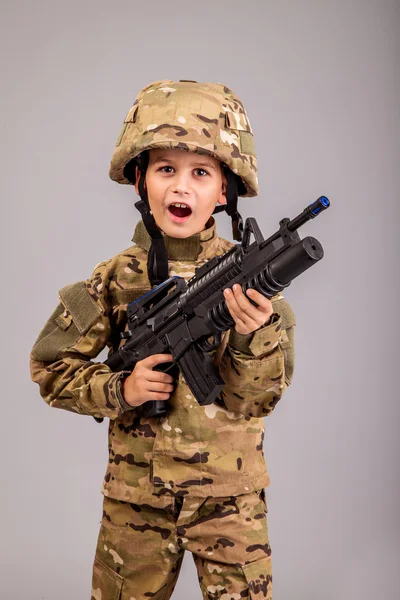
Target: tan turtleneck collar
[[191, 248]]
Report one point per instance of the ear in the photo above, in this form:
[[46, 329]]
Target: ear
[[222, 197]]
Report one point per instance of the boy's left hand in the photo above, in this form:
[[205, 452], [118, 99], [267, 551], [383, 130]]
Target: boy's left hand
[[247, 317]]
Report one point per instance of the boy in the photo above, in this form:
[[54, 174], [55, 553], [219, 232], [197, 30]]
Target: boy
[[193, 480]]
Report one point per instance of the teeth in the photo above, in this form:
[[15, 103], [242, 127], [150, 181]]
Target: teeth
[[179, 205]]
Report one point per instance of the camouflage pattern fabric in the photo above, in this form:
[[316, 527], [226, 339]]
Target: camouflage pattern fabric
[[140, 548], [195, 451], [206, 118]]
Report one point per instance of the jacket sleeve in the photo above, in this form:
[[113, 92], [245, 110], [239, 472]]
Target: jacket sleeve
[[61, 359], [258, 367]]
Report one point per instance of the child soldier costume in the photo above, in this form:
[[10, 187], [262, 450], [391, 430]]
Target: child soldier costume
[[193, 480]]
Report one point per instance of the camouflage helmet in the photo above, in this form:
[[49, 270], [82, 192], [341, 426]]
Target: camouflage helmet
[[206, 118]]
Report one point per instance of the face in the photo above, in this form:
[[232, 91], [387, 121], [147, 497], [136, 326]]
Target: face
[[183, 189]]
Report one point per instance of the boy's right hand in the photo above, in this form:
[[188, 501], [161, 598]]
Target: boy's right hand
[[144, 384]]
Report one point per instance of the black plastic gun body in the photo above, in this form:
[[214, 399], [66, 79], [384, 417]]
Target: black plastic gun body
[[178, 318]]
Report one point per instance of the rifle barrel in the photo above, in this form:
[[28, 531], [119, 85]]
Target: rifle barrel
[[310, 212]]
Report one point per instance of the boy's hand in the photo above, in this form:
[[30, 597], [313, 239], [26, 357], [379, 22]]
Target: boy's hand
[[247, 317], [145, 384]]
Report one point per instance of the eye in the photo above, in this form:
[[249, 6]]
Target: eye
[[201, 172], [166, 167]]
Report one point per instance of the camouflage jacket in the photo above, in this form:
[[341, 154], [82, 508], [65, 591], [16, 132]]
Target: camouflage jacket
[[214, 450]]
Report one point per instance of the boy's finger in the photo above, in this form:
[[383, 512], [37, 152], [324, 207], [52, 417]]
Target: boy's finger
[[246, 308], [159, 376], [239, 315], [231, 301], [257, 297], [156, 359], [233, 304], [235, 316]]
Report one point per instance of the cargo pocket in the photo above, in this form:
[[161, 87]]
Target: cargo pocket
[[259, 579], [106, 583]]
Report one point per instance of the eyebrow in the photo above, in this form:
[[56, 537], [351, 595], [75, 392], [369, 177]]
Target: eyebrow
[[193, 164]]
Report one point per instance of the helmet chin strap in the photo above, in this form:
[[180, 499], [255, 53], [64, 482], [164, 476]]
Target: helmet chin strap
[[231, 205], [157, 260]]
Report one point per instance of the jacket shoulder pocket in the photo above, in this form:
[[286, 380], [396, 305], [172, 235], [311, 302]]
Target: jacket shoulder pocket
[[74, 315]]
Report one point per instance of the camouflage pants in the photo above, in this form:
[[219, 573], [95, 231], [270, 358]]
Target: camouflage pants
[[140, 548]]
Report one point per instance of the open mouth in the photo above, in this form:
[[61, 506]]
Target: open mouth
[[180, 210]]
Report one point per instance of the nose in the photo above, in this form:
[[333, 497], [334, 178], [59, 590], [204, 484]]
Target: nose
[[181, 183]]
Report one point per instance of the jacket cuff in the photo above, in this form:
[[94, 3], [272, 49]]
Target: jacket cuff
[[260, 342], [118, 391]]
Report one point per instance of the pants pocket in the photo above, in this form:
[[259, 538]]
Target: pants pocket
[[106, 583], [259, 579]]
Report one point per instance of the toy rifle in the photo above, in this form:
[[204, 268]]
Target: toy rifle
[[179, 317]]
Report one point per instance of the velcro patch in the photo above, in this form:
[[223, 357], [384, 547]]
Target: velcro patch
[[80, 304], [247, 143]]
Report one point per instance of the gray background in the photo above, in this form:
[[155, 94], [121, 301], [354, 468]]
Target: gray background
[[320, 81]]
